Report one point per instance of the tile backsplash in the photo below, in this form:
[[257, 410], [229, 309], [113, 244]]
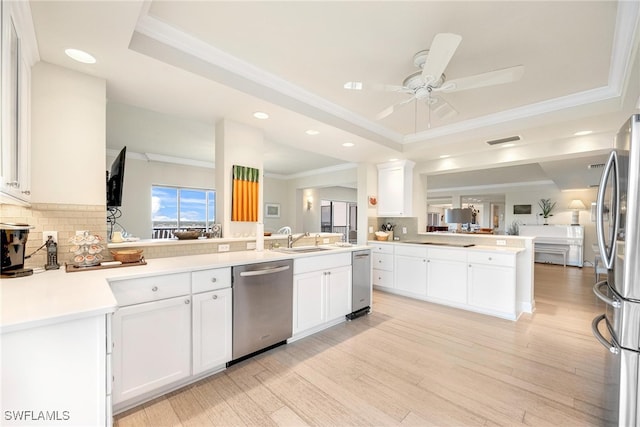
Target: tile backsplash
[[63, 218]]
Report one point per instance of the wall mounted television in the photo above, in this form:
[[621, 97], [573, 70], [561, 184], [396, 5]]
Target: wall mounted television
[[115, 180]]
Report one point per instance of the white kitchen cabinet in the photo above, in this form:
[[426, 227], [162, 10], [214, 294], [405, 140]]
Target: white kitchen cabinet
[[491, 282], [321, 297], [308, 301], [152, 346], [395, 188], [411, 269], [61, 368], [338, 292], [382, 258], [447, 275], [212, 339], [19, 53]]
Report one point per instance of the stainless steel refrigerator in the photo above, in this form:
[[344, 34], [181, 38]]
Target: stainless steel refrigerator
[[618, 231]]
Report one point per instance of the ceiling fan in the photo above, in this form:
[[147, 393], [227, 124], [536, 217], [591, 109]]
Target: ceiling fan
[[431, 79]]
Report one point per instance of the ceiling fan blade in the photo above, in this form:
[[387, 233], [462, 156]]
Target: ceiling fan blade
[[442, 49], [442, 109], [506, 75], [389, 110], [391, 88]]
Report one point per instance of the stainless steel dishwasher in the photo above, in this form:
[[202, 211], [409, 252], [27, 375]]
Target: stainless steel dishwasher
[[360, 283], [262, 306]]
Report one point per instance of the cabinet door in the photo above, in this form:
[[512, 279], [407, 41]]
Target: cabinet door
[[411, 274], [492, 288], [338, 292], [211, 329], [308, 300], [447, 280], [391, 192], [15, 107], [152, 346]]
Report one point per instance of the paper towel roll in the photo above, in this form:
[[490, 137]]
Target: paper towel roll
[[260, 237]]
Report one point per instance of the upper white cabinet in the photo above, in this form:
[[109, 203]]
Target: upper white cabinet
[[395, 188], [19, 54]]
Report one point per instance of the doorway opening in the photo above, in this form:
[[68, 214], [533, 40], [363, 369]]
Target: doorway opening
[[339, 217]]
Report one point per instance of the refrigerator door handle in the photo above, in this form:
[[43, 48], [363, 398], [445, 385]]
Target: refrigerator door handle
[[608, 255], [596, 333], [603, 297]]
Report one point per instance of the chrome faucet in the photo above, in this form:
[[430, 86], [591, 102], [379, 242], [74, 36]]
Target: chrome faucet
[[291, 240], [317, 239]]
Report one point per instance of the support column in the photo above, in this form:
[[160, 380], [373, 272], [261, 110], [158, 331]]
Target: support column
[[236, 144]]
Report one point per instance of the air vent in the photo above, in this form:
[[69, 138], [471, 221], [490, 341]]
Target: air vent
[[595, 166], [503, 140]]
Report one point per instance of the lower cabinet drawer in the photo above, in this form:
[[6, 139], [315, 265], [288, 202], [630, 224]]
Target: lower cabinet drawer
[[492, 258], [211, 279], [382, 261], [382, 278], [145, 289]]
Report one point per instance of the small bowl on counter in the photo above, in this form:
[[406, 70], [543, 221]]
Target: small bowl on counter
[[381, 235], [186, 235], [126, 256]]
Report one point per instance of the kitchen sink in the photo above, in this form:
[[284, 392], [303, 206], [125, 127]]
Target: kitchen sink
[[301, 249]]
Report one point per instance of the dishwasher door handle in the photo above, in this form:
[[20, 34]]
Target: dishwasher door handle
[[265, 271]]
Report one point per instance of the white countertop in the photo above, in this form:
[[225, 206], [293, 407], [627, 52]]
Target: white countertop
[[475, 247], [56, 296]]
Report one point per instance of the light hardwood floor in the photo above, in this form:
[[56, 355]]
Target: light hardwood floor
[[415, 363]]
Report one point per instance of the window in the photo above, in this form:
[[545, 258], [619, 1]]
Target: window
[[174, 208]]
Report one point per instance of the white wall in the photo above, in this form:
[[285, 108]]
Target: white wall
[[277, 191], [68, 136]]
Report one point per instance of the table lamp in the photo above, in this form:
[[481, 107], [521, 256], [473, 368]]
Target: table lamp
[[576, 206]]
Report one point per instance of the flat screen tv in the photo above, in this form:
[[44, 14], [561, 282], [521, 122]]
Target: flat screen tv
[[115, 180]]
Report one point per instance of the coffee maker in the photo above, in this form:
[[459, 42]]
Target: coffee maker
[[14, 244]]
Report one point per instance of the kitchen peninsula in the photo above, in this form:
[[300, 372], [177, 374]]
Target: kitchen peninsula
[[68, 317], [488, 274]]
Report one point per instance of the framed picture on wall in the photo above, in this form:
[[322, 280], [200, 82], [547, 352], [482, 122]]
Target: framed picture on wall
[[522, 209], [272, 210]]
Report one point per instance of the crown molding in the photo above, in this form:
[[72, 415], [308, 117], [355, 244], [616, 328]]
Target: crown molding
[[320, 171], [490, 187]]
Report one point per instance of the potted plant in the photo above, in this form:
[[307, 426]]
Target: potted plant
[[546, 206]]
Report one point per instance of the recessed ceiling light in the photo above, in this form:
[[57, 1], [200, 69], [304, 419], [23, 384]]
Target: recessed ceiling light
[[393, 160], [353, 85], [444, 156], [348, 144], [583, 133], [311, 132], [260, 115], [508, 145], [80, 56]]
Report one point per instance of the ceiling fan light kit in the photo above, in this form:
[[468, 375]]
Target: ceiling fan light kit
[[431, 78]]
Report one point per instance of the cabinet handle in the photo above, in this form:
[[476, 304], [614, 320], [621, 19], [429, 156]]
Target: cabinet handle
[[469, 265], [154, 289], [215, 296], [26, 192], [214, 280], [490, 258], [13, 184], [187, 301]]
